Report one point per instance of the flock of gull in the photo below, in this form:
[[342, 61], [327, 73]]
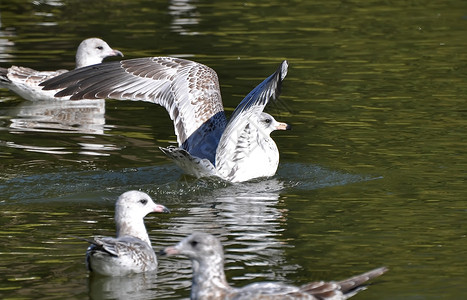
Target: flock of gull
[[235, 150]]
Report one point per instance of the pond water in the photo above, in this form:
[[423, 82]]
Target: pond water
[[373, 172]]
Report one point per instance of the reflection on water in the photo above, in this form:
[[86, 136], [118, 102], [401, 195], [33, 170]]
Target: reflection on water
[[137, 286], [6, 44], [5, 47], [83, 116], [59, 117], [183, 14], [248, 218]]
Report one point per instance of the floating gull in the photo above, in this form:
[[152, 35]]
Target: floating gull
[[25, 81], [209, 282], [131, 251], [238, 150]]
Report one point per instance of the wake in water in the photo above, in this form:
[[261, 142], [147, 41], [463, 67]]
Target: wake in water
[[166, 181]]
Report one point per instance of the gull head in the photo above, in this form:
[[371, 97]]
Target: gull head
[[136, 205], [93, 51], [199, 246], [267, 124]]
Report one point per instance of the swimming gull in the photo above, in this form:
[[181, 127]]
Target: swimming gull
[[238, 150], [209, 282], [131, 251], [25, 81]]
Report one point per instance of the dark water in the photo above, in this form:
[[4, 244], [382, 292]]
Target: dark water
[[373, 172]]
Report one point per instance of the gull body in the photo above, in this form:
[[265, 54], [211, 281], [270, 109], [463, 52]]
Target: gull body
[[130, 251]]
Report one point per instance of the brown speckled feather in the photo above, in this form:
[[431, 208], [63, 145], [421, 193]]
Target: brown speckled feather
[[189, 91]]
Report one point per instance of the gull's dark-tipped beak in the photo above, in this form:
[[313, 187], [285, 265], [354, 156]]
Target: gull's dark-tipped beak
[[169, 251], [283, 126], [117, 53], [161, 209]]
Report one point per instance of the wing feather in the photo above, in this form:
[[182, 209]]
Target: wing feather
[[264, 92], [253, 103], [189, 91]]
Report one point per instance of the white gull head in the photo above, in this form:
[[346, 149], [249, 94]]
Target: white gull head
[[93, 51], [267, 124], [130, 210]]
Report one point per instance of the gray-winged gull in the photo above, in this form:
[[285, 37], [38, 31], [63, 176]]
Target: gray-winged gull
[[130, 251], [209, 282], [25, 81], [238, 150]]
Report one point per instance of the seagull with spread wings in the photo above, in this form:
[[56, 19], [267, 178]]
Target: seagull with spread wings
[[235, 150]]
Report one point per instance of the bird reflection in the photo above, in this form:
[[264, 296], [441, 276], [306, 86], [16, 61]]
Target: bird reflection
[[6, 45], [83, 116], [249, 220], [138, 286], [184, 15]]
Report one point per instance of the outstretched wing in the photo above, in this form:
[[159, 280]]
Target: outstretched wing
[[189, 91], [231, 144], [260, 96]]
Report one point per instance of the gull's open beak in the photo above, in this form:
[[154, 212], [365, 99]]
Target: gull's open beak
[[283, 126]]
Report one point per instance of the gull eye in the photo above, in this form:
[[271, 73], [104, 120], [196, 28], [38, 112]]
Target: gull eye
[[100, 47], [193, 243], [143, 201], [268, 121]]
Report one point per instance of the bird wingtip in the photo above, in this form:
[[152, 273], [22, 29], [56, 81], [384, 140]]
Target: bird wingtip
[[284, 67]]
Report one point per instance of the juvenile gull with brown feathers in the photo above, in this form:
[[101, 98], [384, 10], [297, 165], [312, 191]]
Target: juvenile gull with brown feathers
[[130, 251], [25, 81], [209, 282], [208, 145]]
